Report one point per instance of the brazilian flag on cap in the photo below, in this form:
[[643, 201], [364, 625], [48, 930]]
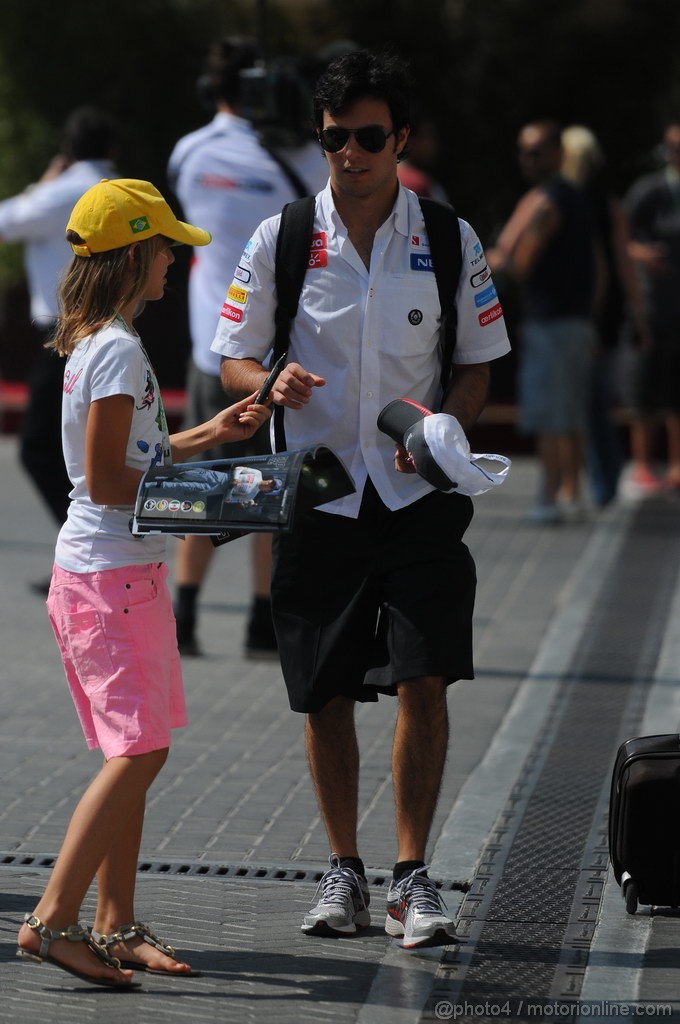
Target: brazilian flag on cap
[[140, 224]]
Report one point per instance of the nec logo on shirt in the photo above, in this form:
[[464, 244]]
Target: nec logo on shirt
[[422, 261], [231, 313]]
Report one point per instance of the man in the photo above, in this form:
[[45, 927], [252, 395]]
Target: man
[[248, 483], [653, 207], [367, 332], [547, 247], [225, 177], [38, 217]]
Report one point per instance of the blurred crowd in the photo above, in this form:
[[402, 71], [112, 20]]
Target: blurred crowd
[[598, 279]]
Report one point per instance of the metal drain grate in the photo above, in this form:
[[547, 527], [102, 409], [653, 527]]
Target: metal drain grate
[[201, 868], [531, 911]]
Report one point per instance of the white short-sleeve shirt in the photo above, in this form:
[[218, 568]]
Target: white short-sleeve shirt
[[372, 334], [38, 217], [227, 183], [109, 362]]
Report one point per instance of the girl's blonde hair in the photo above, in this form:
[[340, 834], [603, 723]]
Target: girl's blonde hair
[[96, 287]]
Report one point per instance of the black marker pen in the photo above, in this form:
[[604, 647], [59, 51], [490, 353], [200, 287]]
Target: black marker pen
[[270, 379]]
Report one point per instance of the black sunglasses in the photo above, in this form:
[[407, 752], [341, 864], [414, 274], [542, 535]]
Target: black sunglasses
[[372, 138]]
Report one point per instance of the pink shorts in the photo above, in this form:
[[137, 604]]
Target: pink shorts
[[116, 633]]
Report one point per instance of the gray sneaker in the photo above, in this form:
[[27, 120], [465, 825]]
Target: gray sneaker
[[415, 910], [343, 906]]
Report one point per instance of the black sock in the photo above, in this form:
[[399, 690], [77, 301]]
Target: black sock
[[405, 867], [261, 608], [355, 863], [185, 602]]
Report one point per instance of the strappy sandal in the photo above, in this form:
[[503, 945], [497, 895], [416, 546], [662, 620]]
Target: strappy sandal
[[74, 933], [141, 931]]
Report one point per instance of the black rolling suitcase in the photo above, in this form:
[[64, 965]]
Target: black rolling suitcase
[[644, 821]]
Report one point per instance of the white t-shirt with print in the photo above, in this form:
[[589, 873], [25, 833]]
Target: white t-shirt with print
[[109, 362], [372, 334]]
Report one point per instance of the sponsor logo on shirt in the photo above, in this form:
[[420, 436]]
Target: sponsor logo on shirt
[[420, 242], [237, 294], [318, 252], [480, 278], [232, 184], [232, 313], [486, 296], [477, 254], [415, 317], [242, 274], [490, 315], [245, 255], [317, 258], [422, 261]]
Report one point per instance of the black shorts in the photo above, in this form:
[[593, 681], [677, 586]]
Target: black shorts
[[360, 605]]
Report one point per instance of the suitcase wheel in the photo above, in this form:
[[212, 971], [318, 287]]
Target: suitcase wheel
[[630, 895]]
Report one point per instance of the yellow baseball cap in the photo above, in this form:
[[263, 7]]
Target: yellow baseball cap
[[113, 214]]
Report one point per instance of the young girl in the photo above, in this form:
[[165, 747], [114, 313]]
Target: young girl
[[108, 603]]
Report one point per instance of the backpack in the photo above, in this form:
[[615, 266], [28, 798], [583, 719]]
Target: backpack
[[292, 260]]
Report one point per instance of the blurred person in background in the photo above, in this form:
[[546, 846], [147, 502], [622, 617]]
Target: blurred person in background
[[415, 168], [618, 300], [653, 207], [547, 248], [37, 217], [229, 178]]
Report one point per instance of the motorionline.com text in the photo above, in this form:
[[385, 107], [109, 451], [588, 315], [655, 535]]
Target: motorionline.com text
[[542, 1010]]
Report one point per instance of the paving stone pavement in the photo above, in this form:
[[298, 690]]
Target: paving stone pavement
[[233, 844]]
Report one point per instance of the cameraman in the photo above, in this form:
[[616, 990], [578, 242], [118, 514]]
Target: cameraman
[[228, 178]]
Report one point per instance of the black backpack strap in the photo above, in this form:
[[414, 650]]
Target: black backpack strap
[[443, 232], [291, 262], [297, 184]]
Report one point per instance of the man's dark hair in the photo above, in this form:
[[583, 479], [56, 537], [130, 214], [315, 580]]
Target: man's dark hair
[[225, 61], [355, 76], [89, 134]]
